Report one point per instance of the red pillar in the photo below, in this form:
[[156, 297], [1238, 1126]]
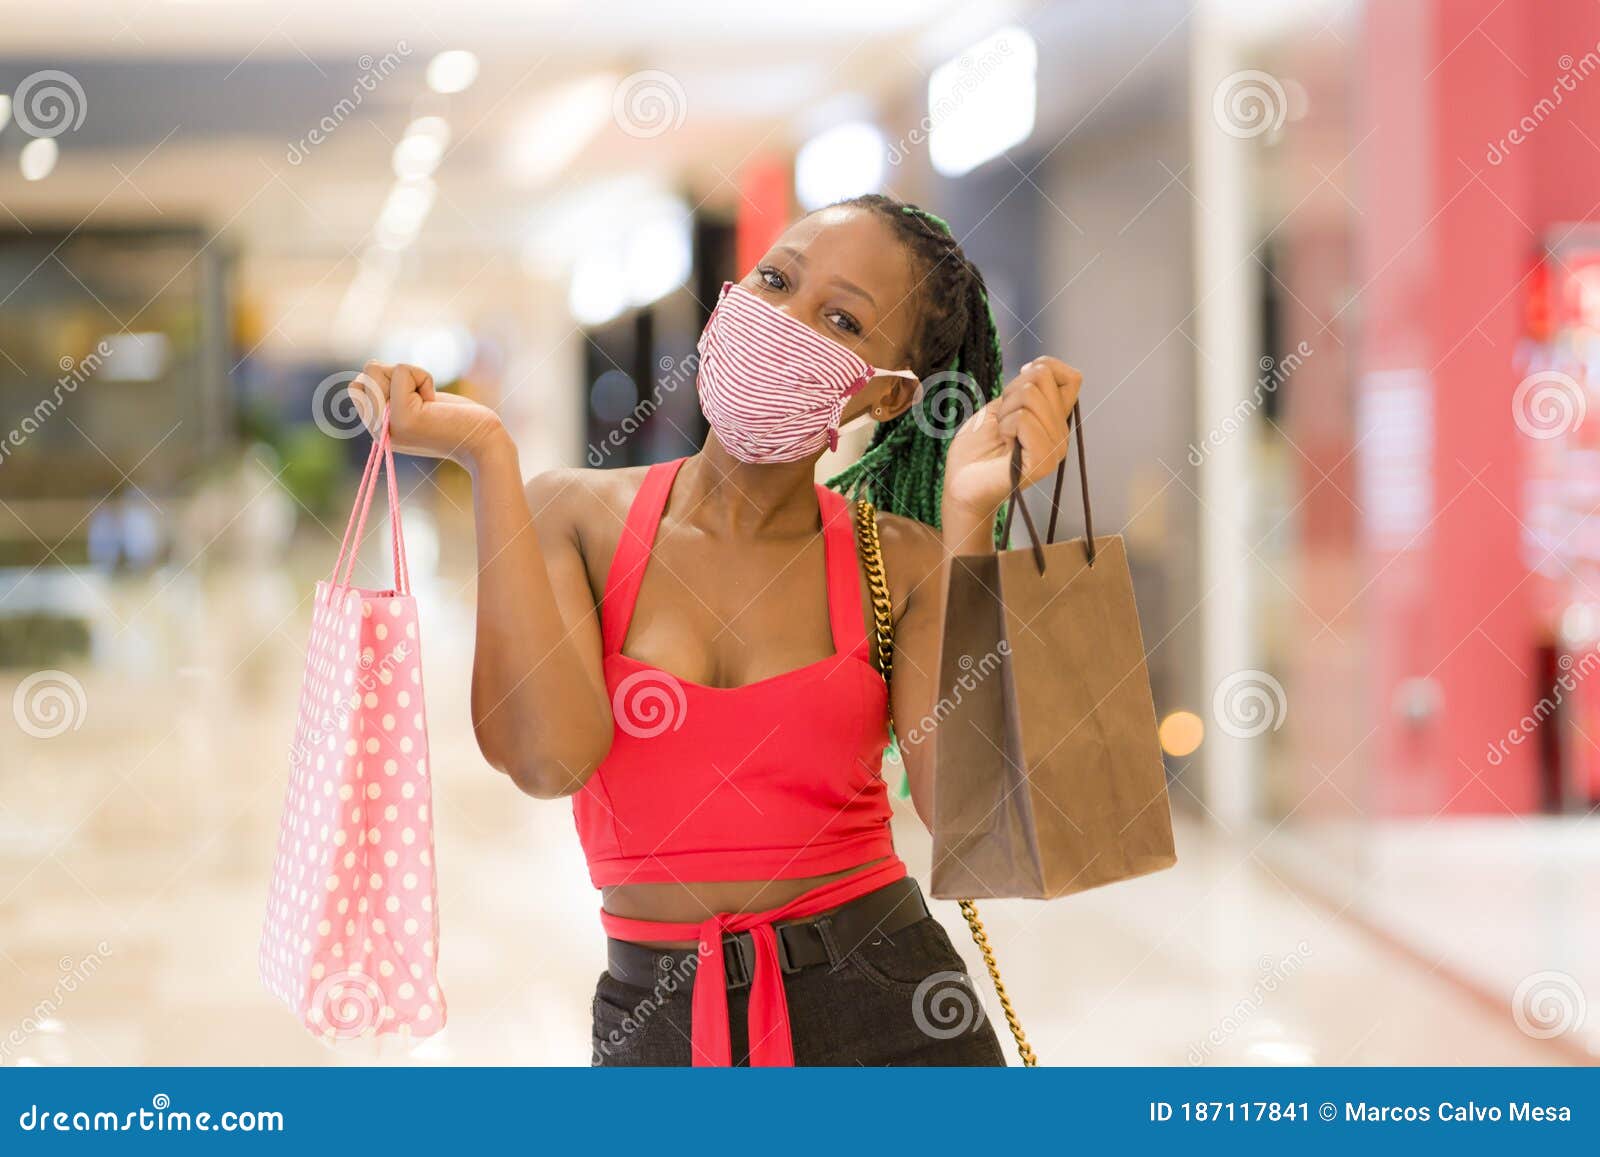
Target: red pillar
[[764, 210], [1447, 240]]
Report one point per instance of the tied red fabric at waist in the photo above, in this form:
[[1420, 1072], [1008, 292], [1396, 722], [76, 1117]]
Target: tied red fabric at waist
[[770, 1041]]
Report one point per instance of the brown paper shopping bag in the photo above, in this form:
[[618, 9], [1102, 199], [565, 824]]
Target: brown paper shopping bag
[[1048, 775]]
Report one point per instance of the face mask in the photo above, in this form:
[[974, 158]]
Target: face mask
[[772, 387]]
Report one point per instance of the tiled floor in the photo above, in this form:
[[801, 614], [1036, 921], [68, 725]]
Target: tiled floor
[[1506, 907], [134, 851]]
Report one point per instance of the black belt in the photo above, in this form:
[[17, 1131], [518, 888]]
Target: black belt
[[800, 945]]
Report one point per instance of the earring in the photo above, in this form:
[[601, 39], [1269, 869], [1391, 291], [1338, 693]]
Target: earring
[[877, 412]]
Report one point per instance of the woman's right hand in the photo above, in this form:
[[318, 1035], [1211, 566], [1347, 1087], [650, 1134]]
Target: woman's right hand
[[422, 420]]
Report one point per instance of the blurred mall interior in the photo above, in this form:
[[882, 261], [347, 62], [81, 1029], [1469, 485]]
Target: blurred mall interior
[[1329, 268]]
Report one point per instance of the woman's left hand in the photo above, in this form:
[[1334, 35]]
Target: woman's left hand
[[1033, 410]]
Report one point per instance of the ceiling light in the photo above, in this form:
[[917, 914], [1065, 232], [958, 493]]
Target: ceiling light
[[635, 264], [843, 162], [598, 291], [447, 350], [555, 129], [982, 103], [452, 71], [658, 252], [403, 212], [38, 158], [422, 146], [365, 299]]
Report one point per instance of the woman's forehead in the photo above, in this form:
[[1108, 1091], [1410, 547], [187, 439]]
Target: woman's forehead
[[855, 244]]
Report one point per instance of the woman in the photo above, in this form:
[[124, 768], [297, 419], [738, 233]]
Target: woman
[[689, 650]]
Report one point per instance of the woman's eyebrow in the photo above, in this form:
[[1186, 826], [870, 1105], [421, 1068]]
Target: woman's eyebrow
[[852, 287], [844, 284]]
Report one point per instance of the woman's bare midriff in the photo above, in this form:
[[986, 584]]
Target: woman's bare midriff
[[692, 903]]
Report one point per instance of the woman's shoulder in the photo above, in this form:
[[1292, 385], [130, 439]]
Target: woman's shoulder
[[572, 495], [912, 550], [896, 530]]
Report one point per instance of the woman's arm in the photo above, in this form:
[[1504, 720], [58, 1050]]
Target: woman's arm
[[917, 562], [539, 707], [1032, 409]]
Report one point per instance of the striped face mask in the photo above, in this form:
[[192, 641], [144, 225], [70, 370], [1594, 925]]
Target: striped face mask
[[772, 387]]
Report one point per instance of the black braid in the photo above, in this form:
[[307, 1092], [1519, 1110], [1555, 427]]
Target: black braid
[[956, 353]]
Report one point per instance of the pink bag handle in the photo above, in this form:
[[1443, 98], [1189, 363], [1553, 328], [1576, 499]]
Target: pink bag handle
[[382, 455]]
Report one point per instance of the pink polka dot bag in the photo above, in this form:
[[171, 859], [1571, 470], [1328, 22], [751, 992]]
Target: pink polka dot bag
[[351, 936]]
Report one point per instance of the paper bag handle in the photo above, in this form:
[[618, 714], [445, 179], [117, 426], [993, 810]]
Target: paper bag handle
[[381, 456], [1074, 425]]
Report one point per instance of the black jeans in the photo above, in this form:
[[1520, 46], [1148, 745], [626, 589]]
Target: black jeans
[[900, 1000]]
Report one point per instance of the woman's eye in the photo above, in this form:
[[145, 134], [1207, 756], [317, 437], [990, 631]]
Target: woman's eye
[[773, 278], [845, 322]]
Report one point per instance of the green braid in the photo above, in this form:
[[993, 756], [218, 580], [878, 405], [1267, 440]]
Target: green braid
[[956, 352]]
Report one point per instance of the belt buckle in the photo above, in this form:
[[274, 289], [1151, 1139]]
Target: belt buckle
[[739, 957], [786, 963], [740, 948]]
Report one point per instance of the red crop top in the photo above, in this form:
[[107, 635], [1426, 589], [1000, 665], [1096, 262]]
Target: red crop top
[[772, 780]]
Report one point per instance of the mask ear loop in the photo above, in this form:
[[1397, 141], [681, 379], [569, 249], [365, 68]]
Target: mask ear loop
[[854, 388], [860, 384]]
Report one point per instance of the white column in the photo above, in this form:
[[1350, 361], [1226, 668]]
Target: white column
[[1227, 334]]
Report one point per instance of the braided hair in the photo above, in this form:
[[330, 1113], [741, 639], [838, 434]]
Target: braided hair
[[955, 350]]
